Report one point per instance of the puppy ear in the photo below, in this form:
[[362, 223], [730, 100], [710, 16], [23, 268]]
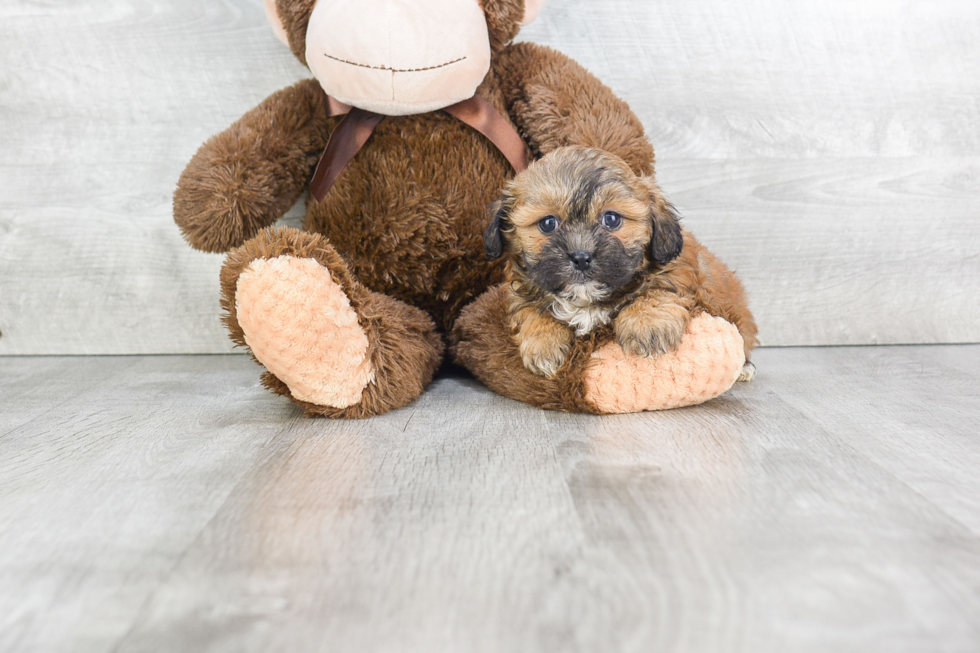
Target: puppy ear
[[667, 240], [493, 238]]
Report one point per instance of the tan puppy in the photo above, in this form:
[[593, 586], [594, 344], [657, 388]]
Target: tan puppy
[[590, 243]]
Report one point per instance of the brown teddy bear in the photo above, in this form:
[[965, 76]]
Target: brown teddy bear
[[417, 115]]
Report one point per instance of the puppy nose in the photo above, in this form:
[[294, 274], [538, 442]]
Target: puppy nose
[[581, 260]]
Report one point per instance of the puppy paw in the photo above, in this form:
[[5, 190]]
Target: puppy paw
[[543, 342], [647, 334], [544, 354]]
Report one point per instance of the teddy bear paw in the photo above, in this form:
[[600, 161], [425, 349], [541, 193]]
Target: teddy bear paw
[[706, 364], [301, 326]]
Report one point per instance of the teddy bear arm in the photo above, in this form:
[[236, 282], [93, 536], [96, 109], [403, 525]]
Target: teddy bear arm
[[599, 377], [555, 102], [248, 176]]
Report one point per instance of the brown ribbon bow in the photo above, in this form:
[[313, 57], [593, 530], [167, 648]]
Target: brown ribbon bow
[[358, 125]]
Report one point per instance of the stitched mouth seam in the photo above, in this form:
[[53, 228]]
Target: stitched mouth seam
[[394, 70]]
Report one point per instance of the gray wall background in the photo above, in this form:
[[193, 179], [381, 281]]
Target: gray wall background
[[828, 150]]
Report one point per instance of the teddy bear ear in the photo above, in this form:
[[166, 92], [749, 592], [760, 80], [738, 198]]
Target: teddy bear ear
[[531, 10], [272, 14]]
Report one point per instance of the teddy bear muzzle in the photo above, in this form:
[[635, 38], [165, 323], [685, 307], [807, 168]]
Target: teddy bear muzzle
[[404, 59]]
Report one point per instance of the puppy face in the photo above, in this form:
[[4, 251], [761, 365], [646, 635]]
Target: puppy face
[[580, 224]]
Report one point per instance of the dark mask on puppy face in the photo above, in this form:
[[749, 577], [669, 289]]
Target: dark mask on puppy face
[[579, 254]]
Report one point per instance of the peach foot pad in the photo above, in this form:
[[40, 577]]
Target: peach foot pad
[[707, 364], [299, 323]]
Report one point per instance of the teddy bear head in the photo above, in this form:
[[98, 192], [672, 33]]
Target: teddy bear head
[[399, 57]]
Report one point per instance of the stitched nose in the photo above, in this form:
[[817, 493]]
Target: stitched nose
[[581, 260]]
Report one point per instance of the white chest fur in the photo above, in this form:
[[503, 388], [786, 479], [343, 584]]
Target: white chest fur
[[580, 312]]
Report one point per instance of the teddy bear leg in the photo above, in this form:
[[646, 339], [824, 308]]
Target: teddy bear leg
[[327, 342], [482, 342], [709, 360], [599, 378]]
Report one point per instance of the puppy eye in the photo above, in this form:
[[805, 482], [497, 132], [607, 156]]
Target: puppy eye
[[548, 224], [612, 220]]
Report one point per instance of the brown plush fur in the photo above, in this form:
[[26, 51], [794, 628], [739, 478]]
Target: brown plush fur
[[409, 212], [484, 344], [555, 102], [419, 239], [503, 21], [249, 175]]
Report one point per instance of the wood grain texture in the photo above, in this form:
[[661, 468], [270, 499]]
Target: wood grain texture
[[829, 151], [171, 504]]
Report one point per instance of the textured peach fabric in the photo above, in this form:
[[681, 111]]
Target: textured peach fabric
[[299, 324], [399, 58], [706, 365], [398, 37]]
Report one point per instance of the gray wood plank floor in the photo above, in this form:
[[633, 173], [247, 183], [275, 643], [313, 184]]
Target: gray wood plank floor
[[828, 150], [171, 504]]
